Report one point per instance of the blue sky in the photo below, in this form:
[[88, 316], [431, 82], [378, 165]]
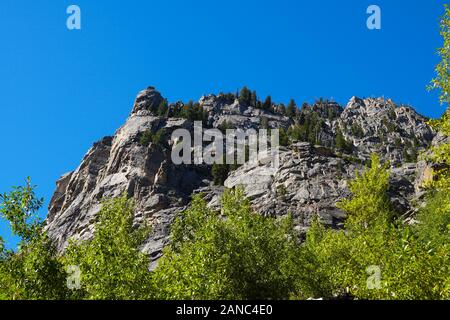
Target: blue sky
[[62, 90]]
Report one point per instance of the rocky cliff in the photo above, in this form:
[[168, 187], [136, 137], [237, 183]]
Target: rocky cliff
[[313, 174]]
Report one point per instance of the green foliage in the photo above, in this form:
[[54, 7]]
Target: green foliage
[[332, 113], [291, 109], [198, 114], [254, 99], [188, 111], [308, 129], [3, 275], [392, 115], [284, 137], [112, 267], [2, 248], [34, 271], [442, 81], [267, 105], [237, 254], [441, 153], [228, 97], [157, 138], [281, 191], [146, 137], [412, 261], [224, 126], [434, 219], [191, 111], [370, 201], [163, 108], [409, 154], [20, 208], [357, 131], [219, 173], [342, 144], [281, 109], [389, 124], [245, 97]]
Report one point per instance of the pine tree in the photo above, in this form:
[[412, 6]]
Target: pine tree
[[291, 108], [284, 138], [187, 111], [267, 103], [245, 96], [254, 100], [341, 144], [282, 109], [163, 108]]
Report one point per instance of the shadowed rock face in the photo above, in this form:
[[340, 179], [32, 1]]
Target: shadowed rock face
[[309, 181]]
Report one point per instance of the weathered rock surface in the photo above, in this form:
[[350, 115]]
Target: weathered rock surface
[[309, 181], [379, 126]]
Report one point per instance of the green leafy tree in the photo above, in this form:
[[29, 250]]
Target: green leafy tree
[[3, 278], [112, 266], [434, 219], [20, 208], [441, 153], [34, 271], [370, 201], [442, 80], [234, 254], [410, 265]]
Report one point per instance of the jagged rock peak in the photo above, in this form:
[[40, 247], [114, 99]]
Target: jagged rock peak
[[311, 178], [147, 99], [376, 103]]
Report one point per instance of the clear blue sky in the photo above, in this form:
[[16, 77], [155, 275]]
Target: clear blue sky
[[62, 90]]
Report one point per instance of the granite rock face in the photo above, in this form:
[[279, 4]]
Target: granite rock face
[[309, 181], [380, 126]]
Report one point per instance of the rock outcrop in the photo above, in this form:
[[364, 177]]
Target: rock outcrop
[[310, 179]]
